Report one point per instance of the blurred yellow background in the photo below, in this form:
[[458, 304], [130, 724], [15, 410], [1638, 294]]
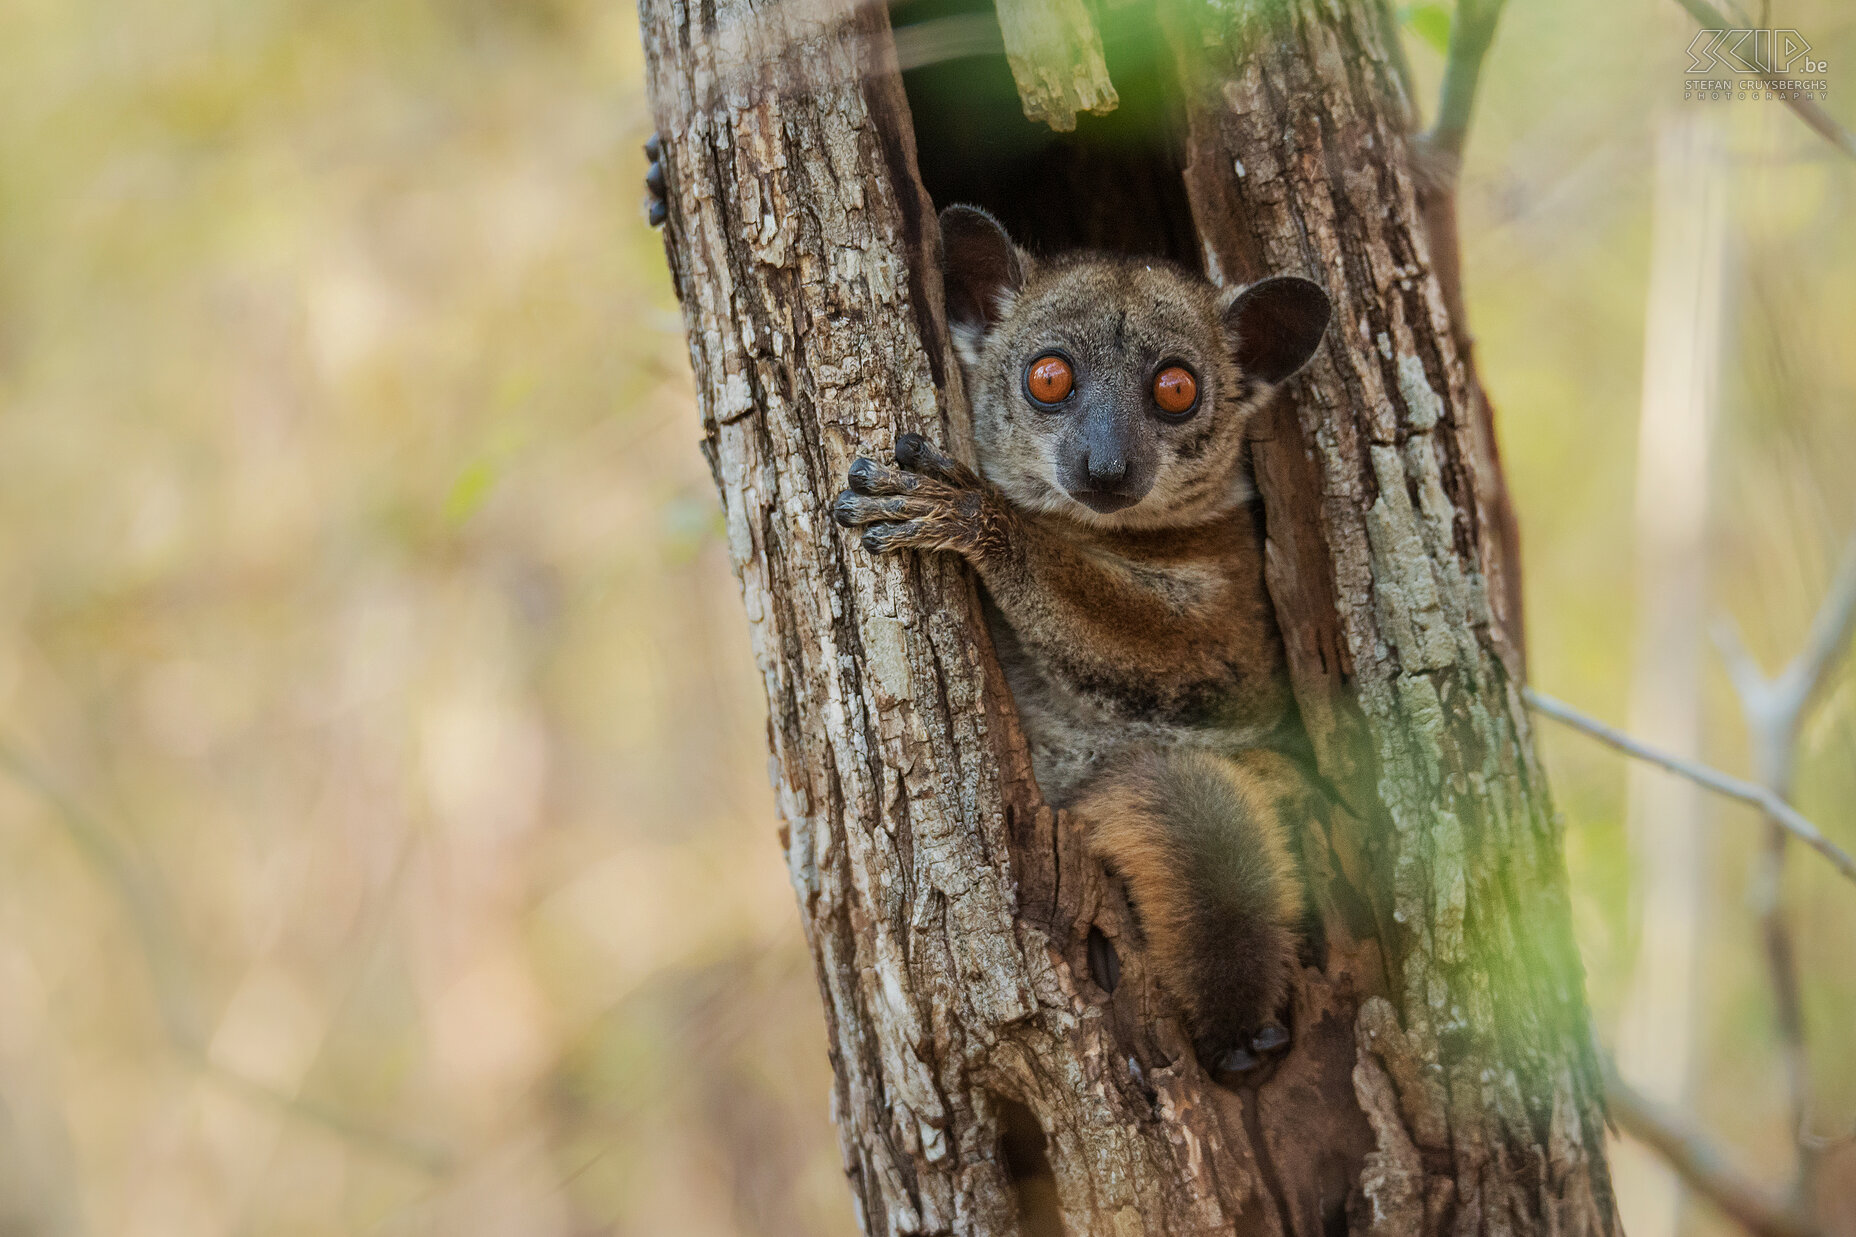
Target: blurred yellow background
[[385, 841]]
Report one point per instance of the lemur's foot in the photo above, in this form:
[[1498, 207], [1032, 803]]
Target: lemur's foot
[[930, 502], [1235, 1061], [1258, 1049], [657, 208], [1271, 1037]]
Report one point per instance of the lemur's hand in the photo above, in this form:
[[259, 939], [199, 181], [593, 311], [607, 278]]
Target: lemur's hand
[[656, 208], [935, 503]]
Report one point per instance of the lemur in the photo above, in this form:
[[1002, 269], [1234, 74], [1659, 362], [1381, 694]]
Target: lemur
[[1113, 527]]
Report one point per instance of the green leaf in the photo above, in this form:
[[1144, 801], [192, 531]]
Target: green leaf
[[469, 490], [1430, 22]]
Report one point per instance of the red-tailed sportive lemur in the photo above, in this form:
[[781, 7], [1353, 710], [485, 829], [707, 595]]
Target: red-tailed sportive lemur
[[1113, 527]]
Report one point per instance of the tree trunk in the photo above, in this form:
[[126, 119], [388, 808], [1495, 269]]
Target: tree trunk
[[987, 1074]]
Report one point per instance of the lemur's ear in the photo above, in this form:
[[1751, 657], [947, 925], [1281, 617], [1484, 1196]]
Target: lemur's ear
[[980, 265], [1278, 324]]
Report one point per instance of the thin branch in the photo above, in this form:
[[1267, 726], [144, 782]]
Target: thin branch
[[1786, 816], [1438, 165], [427, 1157], [1471, 33], [1808, 111], [1437, 169], [140, 899], [172, 981], [1803, 680], [1775, 710], [1743, 670], [1754, 1206]]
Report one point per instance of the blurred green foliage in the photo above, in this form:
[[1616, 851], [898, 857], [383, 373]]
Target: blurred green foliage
[[1430, 22], [385, 845], [359, 580]]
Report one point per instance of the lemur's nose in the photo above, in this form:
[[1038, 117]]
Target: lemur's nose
[[1106, 471]]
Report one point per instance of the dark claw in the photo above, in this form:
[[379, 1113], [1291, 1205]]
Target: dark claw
[[844, 509], [653, 147], [1272, 1037], [863, 476], [909, 449], [1236, 1061], [917, 455], [654, 179], [873, 540], [658, 212]]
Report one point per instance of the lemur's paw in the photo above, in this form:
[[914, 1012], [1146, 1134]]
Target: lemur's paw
[[901, 512], [937, 504], [657, 208]]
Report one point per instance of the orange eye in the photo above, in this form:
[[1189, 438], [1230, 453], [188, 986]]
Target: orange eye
[[1049, 379], [1175, 389]]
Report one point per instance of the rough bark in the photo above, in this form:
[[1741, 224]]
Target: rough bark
[[1382, 553], [1440, 1076]]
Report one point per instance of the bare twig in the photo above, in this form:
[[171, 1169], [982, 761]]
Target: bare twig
[[424, 1156], [1437, 167], [1471, 32], [945, 38], [1781, 703], [172, 981], [1808, 110], [1775, 710], [140, 898], [1788, 817], [1756, 1207]]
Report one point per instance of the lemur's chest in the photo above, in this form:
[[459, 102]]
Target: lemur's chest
[[1186, 654]]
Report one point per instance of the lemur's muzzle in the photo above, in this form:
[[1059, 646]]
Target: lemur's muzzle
[[1111, 465]]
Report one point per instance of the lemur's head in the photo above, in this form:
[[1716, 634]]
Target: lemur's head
[[1115, 390]]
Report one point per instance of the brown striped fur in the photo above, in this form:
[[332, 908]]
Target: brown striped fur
[[1122, 558]]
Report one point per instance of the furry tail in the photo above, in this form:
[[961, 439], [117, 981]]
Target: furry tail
[[1201, 841]]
